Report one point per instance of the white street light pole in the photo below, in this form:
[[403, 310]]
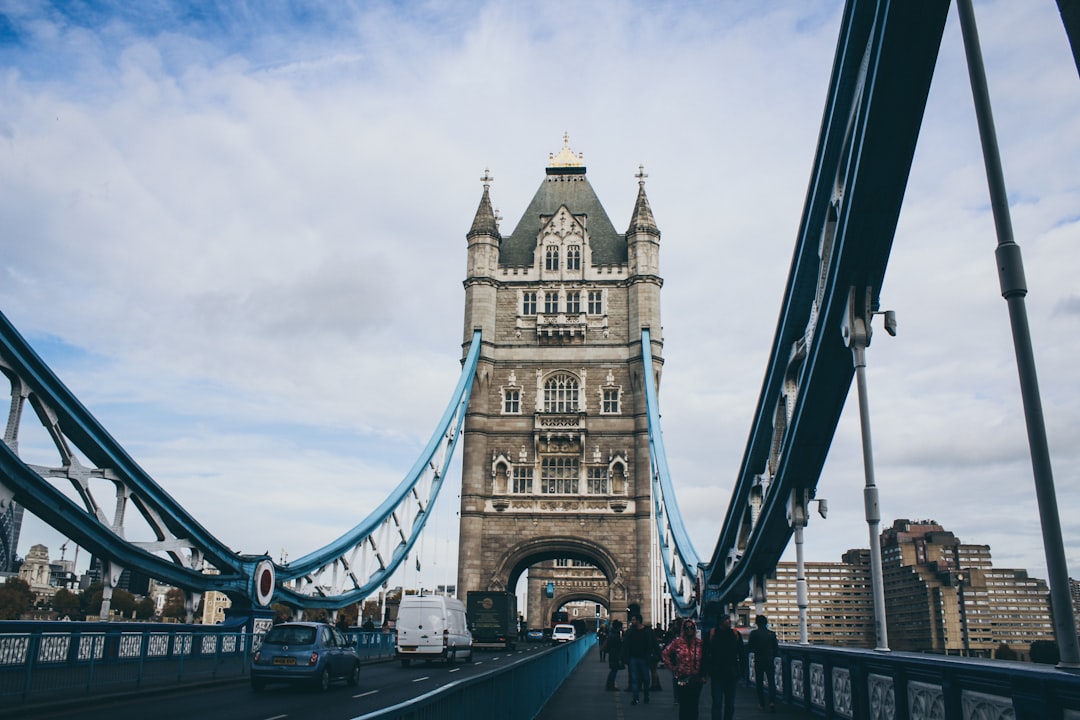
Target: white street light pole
[[856, 332]]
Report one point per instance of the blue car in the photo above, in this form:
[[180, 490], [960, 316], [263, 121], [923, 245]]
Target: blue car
[[307, 652], [534, 635]]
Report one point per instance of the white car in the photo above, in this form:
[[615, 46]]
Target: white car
[[563, 633]]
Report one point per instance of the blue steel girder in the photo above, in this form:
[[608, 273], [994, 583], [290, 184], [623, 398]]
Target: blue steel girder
[[181, 547], [678, 557], [352, 567], [881, 76], [339, 574]]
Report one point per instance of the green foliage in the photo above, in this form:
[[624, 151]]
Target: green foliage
[[144, 609], [16, 598], [67, 604], [1045, 651], [174, 605]]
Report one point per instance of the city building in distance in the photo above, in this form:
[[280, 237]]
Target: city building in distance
[[941, 596]]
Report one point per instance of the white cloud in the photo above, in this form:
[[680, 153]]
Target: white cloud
[[252, 227]]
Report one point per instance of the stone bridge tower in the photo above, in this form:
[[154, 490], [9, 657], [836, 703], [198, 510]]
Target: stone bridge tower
[[555, 448]]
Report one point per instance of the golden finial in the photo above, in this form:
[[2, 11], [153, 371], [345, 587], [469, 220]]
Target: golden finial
[[566, 157]]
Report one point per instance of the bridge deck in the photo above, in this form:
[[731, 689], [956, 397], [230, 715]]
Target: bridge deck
[[583, 696]]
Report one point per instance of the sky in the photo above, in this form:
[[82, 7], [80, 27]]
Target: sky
[[236, 231]]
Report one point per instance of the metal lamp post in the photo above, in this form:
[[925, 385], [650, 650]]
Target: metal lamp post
[[856, 332]]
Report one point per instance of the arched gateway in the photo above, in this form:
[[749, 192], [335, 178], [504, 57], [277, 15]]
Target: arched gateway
[[555, 448]]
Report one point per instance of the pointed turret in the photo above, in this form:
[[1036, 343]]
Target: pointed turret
[[484, 222], [643, 246], [484, 240], [642, 220]]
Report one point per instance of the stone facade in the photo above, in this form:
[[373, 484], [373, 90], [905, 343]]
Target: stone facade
[[555, 448]]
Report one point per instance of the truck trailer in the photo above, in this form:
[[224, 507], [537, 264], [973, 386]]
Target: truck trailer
[[493, 618]]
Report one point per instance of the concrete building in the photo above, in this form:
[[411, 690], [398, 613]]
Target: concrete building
[[941, 596], [945, 596], [555, 448], [841, 605]]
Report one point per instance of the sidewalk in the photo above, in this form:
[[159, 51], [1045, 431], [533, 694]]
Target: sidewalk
[[583, 696]]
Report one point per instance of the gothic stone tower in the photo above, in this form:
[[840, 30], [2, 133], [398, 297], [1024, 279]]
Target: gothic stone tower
[[556, 452]]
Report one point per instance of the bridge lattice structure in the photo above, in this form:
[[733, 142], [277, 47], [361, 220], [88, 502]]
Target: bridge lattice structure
[[876, 99]]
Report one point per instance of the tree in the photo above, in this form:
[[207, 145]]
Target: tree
[[90, 600], [66, 604], [144, 609], [122, 603], [174, 605], [1045, 651], [16, 598], [1004, 652]]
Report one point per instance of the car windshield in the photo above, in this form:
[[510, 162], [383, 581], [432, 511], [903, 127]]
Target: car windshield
[[290, 635]]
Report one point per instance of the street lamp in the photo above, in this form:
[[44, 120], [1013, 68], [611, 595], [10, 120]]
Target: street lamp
[[856, 332], [797, 517]]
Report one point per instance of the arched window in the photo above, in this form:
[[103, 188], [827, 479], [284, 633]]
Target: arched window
[[551, 259], [561, 394], [573, 257]]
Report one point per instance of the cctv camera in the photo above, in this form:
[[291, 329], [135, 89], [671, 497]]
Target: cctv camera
[[890, 322]]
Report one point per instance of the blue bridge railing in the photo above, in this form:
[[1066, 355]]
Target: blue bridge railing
[[57, 661], [851, 683]]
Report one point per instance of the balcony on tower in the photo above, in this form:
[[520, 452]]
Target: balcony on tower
[[562, 325]]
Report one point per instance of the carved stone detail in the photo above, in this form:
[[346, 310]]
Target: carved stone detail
[[982, 706], [882, 697], [925, 701], [817, 685], [841, 691], [798, 683]]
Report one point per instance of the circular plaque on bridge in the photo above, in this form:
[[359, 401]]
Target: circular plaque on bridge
[[264, 582]]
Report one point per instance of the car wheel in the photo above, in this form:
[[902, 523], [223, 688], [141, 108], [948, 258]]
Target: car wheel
[[322, 683], [258, 684], [354, 676]]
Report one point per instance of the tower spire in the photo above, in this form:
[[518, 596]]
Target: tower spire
[[484, 223], [642, 219]]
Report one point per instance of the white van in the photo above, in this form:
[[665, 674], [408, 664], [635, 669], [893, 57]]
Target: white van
[[430, 627]]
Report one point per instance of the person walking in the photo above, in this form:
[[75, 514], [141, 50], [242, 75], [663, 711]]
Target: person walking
[[601, 641], [722, 658], [613, 650], [765, 647], [638, 647], [684, 656]]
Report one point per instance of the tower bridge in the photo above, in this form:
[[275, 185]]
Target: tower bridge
[[557, 405]]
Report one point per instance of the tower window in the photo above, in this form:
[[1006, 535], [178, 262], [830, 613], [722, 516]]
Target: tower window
[[528, 303], [511, 401], [551, 258], [573, 302], [559, 475], [598, 481], [596, 302], [523, 480], [573, 257], [610, 404], [561, 394], [551, 302]]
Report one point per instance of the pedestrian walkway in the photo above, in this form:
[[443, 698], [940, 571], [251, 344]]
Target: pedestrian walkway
[[582, 697]]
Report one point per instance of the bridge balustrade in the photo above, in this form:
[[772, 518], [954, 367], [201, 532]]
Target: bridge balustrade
[[519, 690], [850, 683], [56, 661]]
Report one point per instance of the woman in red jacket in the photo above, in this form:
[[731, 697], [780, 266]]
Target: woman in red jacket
[[683, 657]]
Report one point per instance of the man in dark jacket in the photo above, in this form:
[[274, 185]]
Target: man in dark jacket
[[765, 648], [722, 659], [638, 648]]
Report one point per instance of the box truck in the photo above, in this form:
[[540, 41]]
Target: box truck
[[493, 618]]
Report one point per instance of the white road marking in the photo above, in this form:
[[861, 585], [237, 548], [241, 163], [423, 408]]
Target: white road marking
[[420, 679], [369, 692]]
